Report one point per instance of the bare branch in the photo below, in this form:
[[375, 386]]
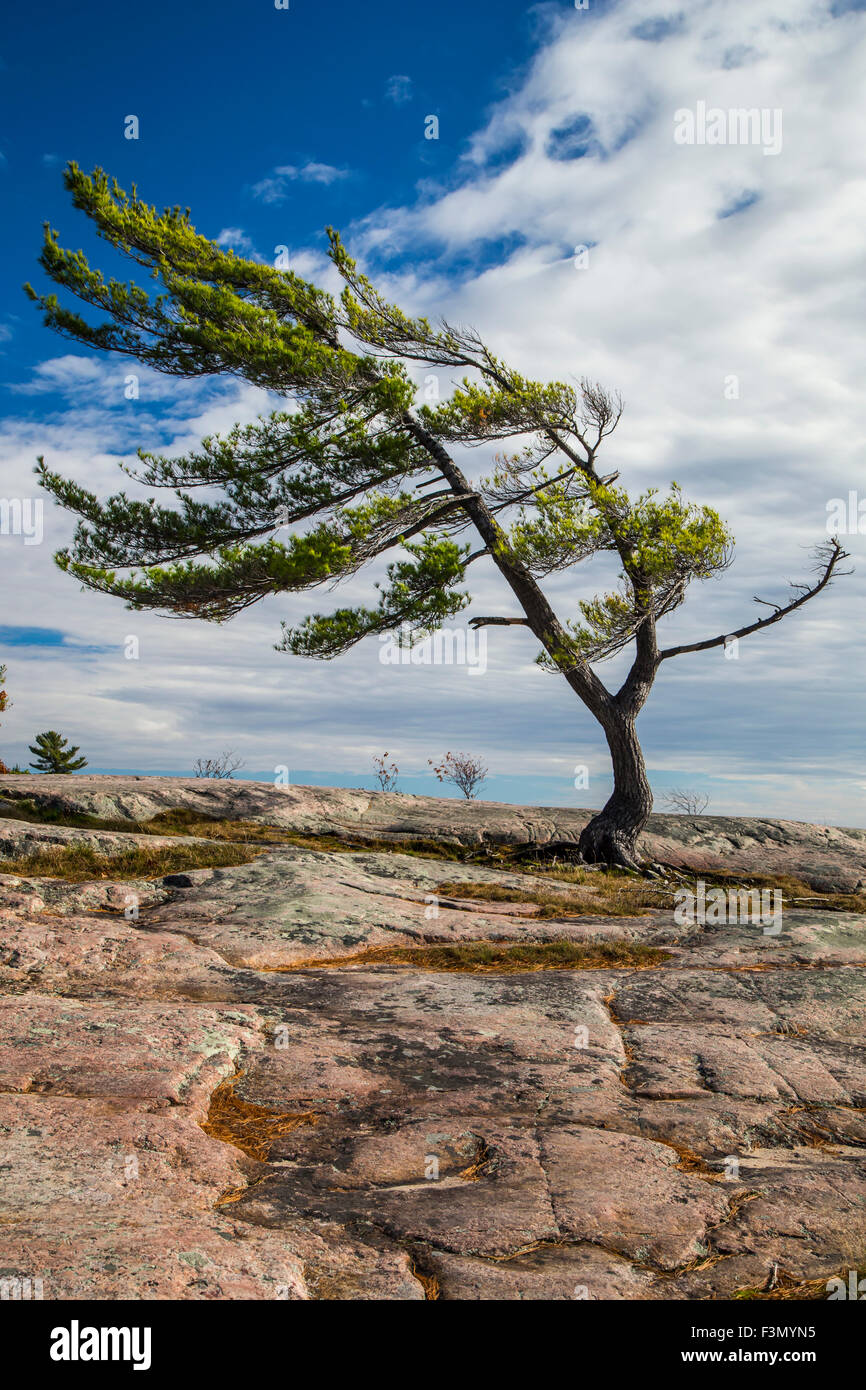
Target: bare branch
[[498, 622], [600, 409], [221, 768], [687, 803], [465, 771], [386, 773], [828, 555]]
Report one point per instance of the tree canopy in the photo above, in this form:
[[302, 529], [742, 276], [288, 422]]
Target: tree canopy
[[341, 462]]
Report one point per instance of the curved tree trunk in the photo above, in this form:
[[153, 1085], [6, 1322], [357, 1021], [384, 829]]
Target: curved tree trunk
[[611, 836]]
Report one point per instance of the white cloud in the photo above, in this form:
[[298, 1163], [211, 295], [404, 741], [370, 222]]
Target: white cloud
[[236, 239], [275, 188], [399, 89]]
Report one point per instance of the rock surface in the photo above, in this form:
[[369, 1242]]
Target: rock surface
[[380, 1131], [831, 859]]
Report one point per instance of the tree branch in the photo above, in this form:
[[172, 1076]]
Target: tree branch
[[520, 497], [634, 692], [498, 622], [541, 618], [833, 552]]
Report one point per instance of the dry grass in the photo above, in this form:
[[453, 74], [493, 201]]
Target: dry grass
[[600, 893], [795, 892], [614, 894], [81, 863], [428, 1282], [43, 813], [251, 1128], [785, 1288], [842, 902], [184, 821], [690, 1162], [481, 1161], [487, 957], [608, 892]]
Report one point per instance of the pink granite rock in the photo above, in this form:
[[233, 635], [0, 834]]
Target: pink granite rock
[[664, 1133]]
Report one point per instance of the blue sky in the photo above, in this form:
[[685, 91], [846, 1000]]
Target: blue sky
[[705, 266], [226, 94]]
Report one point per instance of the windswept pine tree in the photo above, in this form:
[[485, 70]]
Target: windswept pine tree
[[356, 468]]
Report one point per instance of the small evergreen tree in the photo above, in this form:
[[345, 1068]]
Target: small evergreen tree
[[52, 754]]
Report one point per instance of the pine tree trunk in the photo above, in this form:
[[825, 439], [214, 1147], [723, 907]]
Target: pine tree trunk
[[611, 836]]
